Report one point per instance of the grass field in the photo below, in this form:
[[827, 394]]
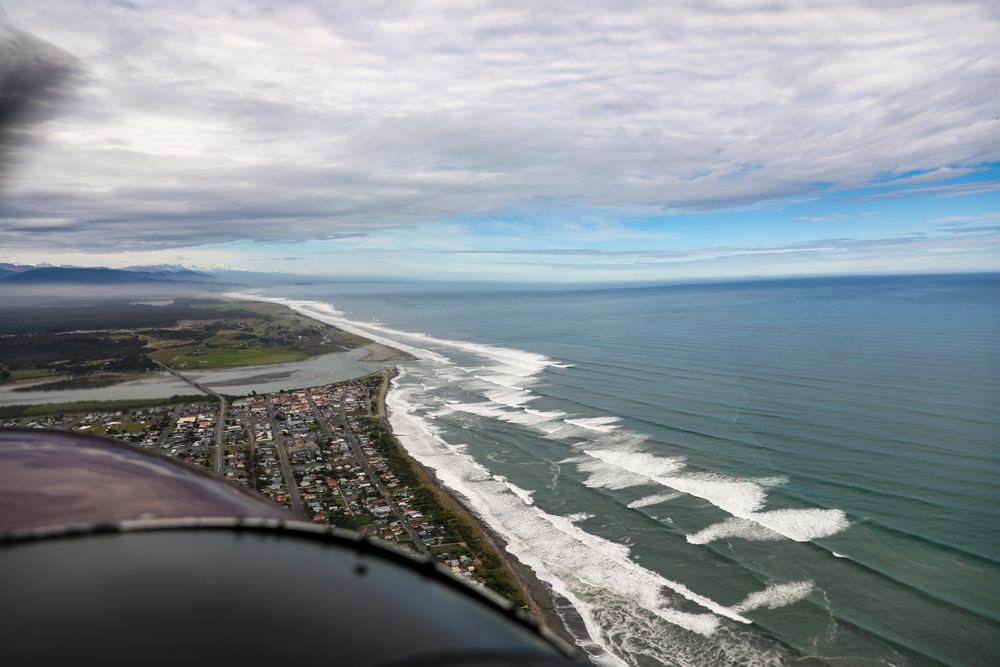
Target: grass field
[[261, 333], [187, 334], [28, 374]]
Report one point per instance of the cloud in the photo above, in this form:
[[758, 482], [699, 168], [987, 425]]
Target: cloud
[[963, 220], [942, 174], [831, 217], [949, 190], [951, 240], [201, 123]]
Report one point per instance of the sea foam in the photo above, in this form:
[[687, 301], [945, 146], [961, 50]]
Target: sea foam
[[775, 595], [744, 529], [599, 424], [576, 563], [656, 499], [589, 571], [602, 476], [741, 498]]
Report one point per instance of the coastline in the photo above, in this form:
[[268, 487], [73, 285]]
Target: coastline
[[377, 352], [541, 601]]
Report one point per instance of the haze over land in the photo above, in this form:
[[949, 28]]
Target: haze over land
[[657, 141]]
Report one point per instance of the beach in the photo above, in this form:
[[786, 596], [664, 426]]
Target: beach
[[377, 352], [542, 603]]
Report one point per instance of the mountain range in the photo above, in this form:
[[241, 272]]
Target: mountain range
[[14, 274]]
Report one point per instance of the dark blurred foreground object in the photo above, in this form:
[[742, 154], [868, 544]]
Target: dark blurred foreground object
[[112, 555], [36, 80]]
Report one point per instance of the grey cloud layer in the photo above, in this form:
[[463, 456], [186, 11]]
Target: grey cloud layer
[[305, 120]]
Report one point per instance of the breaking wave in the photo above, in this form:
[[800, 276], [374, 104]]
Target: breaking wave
[[741, 498], [776, 595], [592, 573], [649, 501]]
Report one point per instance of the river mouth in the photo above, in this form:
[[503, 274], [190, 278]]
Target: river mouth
[[321, 369]]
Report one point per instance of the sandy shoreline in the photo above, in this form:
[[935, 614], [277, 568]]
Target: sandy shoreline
[[263, 377], [542, 602], [379, 352]]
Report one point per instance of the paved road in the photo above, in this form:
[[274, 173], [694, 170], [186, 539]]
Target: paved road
[[352, 442], [169, 428], [220, 435], [294, 498], [220, 425], [251, 431]]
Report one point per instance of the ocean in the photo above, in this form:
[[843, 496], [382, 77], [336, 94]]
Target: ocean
[[765, 473]]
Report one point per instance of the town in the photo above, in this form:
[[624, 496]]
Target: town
[[324, 452]]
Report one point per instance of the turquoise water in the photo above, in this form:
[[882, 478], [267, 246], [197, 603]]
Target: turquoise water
[[799, 472]]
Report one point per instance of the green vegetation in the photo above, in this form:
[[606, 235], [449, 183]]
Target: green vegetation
[[129, 427], [454, 550], [188, 333], [74, 353], [28, 374], [11, 411], [350, 522], [439, 507], [119, 430], [245, 334]]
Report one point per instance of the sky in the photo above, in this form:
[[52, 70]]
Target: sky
[[510, 141]]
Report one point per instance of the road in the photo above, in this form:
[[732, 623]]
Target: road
[[294, 498], [220, 422], [251, 431], [352, 442], [383, 389], [168, 428]]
